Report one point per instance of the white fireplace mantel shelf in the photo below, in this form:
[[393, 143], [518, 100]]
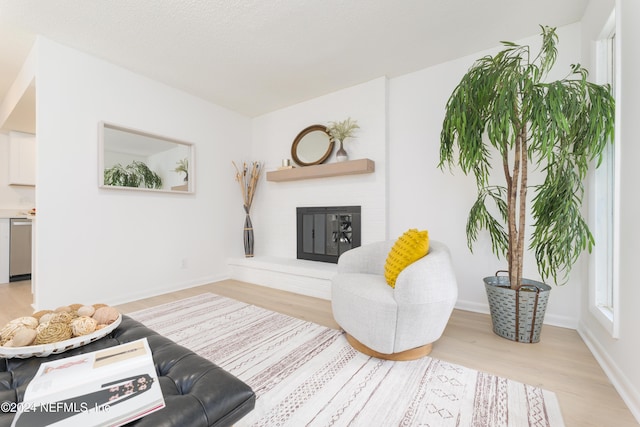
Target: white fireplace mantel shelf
[[350, 167]]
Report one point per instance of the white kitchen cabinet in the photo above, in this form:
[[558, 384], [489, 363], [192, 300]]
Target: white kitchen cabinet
[[4, 250], [22, 158]]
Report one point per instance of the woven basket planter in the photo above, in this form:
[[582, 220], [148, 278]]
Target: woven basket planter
[[517, 315]]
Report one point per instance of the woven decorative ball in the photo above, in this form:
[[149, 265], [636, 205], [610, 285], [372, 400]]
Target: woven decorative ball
[[83, 325], [28, 321], [6, 338], [63, 309], [75, 307], [97, 306], [22, 338], [46, 317], [52, 332], [62, 317], [106, 315], [86, 310], [39, 314], [10, 329]]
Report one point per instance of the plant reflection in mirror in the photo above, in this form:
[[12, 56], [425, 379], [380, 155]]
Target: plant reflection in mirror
[[135, 174], [183, 166]]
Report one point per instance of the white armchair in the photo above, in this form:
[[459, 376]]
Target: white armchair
[[398, 323]]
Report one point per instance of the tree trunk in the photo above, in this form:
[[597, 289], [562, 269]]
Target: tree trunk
[[514, 260], [509, 180], [516, 204], [522, 209]]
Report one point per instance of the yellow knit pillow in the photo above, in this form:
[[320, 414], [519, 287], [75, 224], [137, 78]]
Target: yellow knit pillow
[[409, 247]]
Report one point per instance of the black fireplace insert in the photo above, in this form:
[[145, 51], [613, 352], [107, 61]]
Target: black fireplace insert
[[326, 232]]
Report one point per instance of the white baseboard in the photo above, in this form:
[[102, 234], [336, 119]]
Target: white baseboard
[[302, 277], [472, 306], [148, 293], [627, 391]]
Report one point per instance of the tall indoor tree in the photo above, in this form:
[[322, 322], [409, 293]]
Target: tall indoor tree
[[504, 103]]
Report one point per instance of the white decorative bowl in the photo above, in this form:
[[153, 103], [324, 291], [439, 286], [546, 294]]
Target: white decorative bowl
[[45, 350]]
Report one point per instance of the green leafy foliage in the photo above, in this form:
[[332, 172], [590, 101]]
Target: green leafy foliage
[[503, 104], [136, 174]]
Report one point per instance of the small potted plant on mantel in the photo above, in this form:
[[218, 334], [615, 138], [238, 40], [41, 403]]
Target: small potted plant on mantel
[[503, 107], [183, 166], [341, 131]]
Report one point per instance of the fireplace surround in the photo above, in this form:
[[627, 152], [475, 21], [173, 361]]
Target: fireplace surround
[[326, 232]]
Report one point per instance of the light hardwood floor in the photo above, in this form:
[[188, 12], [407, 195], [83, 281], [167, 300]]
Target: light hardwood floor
[[560, 362]]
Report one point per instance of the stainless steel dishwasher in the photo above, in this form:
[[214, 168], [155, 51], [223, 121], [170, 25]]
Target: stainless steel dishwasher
[[20, 249]]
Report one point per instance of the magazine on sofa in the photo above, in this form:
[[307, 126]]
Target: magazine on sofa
[[109, 387]]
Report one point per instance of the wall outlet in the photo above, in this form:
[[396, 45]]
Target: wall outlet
[[183, 263]]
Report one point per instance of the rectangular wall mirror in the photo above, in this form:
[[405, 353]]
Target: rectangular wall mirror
[[134, 160]]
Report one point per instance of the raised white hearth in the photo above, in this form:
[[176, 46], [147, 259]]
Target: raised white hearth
[[304, 277]]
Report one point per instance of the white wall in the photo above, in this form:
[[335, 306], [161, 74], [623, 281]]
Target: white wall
[[619, 357], [274, 213], [100, 245], [13, 197], [423, 196]]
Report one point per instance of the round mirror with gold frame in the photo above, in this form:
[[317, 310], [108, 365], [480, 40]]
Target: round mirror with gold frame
[[312, 146]]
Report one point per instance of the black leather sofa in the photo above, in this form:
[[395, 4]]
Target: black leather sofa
[[196, 391]]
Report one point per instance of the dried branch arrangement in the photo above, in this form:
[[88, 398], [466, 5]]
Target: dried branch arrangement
[[344, 129], [248, 177]]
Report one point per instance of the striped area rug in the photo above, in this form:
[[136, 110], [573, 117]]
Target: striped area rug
[[305, 374]]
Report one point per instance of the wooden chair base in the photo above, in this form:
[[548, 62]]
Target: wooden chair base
[[411, 354]]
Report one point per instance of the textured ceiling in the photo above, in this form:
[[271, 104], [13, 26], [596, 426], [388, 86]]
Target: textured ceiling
[[257, 56]]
